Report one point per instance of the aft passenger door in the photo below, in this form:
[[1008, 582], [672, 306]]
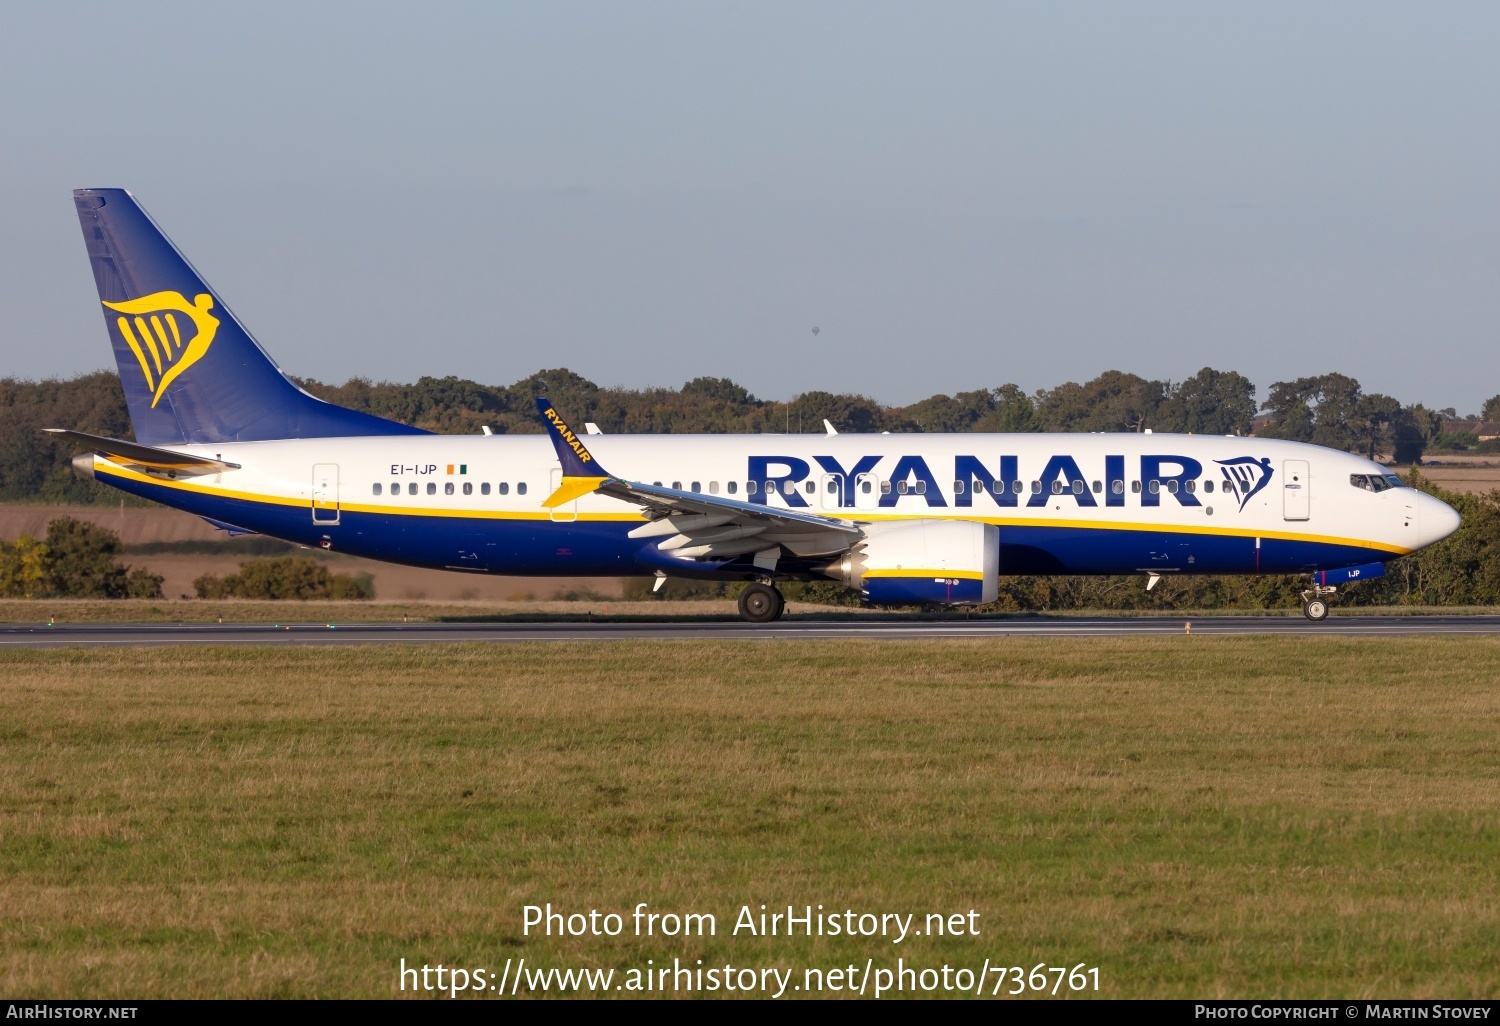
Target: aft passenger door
[[1295, 498], [325, 493]]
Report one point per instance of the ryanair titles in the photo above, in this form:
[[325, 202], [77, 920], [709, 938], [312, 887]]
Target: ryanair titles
[[566, 434], [1182, 478]]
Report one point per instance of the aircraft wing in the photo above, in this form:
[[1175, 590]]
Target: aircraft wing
[[693, 525], [149, 456], [698, 526]]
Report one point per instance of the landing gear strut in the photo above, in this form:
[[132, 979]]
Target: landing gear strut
[[761, 603], [1315, 601]]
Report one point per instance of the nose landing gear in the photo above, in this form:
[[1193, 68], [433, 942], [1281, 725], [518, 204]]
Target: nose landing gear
[[1315, 601], [761, 603]]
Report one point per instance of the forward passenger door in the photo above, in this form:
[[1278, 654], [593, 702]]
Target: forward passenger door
[[1296, 501]]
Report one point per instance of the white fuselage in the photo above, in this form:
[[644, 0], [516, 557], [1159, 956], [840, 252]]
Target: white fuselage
[[1067, 503]]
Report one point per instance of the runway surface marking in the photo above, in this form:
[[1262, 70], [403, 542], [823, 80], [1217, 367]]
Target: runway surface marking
[[65, 635]]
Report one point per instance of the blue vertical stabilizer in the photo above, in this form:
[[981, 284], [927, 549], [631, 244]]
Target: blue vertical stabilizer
[[190, 370]]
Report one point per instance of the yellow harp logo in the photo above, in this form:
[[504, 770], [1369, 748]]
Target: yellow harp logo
[[156, 339]]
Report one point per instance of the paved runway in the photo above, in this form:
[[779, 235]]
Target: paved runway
[[64, 635]]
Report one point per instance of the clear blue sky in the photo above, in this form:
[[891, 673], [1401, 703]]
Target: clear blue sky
[[958, 195]]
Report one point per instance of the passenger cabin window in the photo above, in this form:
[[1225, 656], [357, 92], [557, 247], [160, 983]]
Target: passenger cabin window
[[958, 487], [377, 487], [1155, 487], [1057, 486], [1098, 487], [697, 487], [520, 487], [1135, 486], [411, 489], [713, 488], [1015, 487], [788, 487], [1208, 486], [733, 487], [484, 488], [1192, 486], [1078, 487], [1172, 486], [431, 487], [468, 488], [1118, 487], [503, 488], [677, 485], [448, 488], [810, 487], [885, 488], [1036, 488], [749, 487], [900, 487]]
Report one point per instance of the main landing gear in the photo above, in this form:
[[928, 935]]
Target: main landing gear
[[761, 603], [1315, 601]]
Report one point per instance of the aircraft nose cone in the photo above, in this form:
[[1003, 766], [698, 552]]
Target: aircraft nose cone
[[1436, 519]]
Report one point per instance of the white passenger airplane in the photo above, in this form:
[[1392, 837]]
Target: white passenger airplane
[[919, 518]]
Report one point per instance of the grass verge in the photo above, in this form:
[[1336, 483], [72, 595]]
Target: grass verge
[[1242, 816]]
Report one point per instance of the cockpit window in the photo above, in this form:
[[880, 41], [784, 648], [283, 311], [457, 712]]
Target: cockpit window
[[1376, 482]]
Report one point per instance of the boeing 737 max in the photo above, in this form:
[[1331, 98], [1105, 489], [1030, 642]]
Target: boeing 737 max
[[919, 518]]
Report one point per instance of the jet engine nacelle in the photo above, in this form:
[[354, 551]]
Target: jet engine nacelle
[[943, 562]]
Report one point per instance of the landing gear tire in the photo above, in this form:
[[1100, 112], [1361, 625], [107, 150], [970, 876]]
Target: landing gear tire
[[761, 603], [1315, 609]]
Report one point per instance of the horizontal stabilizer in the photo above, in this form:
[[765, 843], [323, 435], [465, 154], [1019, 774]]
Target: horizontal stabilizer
[[142, 455]]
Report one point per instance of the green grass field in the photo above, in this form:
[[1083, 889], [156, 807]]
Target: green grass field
[[1195, 816]]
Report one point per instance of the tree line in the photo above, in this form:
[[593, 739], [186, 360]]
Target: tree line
[[1329, 409], [77, 559]]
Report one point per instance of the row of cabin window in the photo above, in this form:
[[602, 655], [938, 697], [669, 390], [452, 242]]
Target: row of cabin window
[[959, 487], [503, 488], [788, 487], [1058, 488]]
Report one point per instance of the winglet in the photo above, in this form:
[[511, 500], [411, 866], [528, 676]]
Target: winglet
[[581, 472]]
